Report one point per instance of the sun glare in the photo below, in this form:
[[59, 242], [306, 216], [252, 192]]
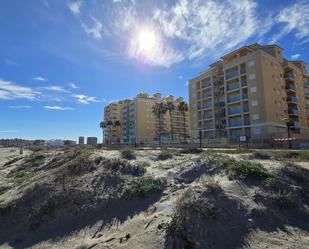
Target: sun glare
[[147, 41]]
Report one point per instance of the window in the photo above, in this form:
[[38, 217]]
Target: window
[[254, 103], [255, 117], [252, 76], [256, 131], [251, 63], [253, 89]]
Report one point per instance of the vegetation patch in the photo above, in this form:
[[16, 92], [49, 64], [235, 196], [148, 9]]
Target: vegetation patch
[[23, 176], [146, 185], [242, 170], [123, 166], [143, 164], [261, 155], [164, 155], [297, 156], [128, 154]]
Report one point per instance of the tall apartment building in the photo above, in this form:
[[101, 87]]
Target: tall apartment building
[[81, 140], [112, 131], [140, 125], [92, 140], [251, 91]]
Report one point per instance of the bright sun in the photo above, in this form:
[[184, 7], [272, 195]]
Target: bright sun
[[147, 41]]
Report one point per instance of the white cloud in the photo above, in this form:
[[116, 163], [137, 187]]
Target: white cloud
[[40, 78], [11, 62], [95, 29], [73, 85], [19, 106], [58, 108], [180, 77], [56, 89], [10, 90], [83, 99], [75, 7], [294, 18], [295, 56], [8, 131]]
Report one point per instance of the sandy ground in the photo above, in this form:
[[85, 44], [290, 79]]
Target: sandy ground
[[145, 229]]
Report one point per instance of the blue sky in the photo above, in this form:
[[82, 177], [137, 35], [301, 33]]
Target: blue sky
[[62, 61]]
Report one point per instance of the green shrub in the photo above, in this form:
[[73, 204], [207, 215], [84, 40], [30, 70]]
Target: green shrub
[[241, 169], [144, 164], [301, 155], [21, 177], [123, 166], [147, 185], [164, 155], [261, 155], [128, 154]]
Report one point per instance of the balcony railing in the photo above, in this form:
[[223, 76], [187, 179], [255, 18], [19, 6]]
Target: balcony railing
[[294, 111], [205, 85], [307, 104], [306, 83], [207, 95], [234, 111], [208, 116], [289, 75], [208, 127], [235, 124], [306, 94], [244, 83], [231, 75], [292, 99], [245, 96], [233, 86], [295, 123], [233, 98], [207, 106], [245, 109], [242, 70], [290, 87]]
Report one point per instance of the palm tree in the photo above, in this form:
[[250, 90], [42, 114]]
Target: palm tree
[[109, 124], [171, 108], [103, 126], [117, 124], [183, 108], [159, 110]]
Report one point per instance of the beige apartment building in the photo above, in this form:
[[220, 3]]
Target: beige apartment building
[[139, 125], [112, 131], [251, 91]]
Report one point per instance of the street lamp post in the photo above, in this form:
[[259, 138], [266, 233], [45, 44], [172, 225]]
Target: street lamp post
[[200, 137], [288, 125]]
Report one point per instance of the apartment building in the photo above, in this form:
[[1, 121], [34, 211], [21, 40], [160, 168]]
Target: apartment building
[[139, 125], [251, 91], [112, 130], [92, 140]]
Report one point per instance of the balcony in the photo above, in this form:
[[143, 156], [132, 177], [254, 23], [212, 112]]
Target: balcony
[[245, 109], [244, 96], [208, 116], [232, 99], [307, 104], [307, 94], [207, 106], [292, 99], [209, 127], [244, 84], [233, 86], [206, 85], [231, 75], [234, 124], [293, 112], [235, 111], [207, 95], [306, 83], [295, 123], [289, 75], [290, 88]]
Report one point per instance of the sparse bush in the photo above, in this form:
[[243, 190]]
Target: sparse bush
[[261, 155], [301, 155], [128, 154], [147, 185], [22, 176], [144, 164], [212, 185], [284, 199], [191, 151], [242, 170], [164, 155], [123, 166], [80, 164]]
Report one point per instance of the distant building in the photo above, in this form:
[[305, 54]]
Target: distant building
[[54, 143], [92, 140], [81, 140], [16, 142], [133, 121], [69, 142]]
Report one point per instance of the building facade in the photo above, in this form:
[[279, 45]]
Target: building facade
[[139, 125], [92, 140], [252, 91], [81, 140]]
